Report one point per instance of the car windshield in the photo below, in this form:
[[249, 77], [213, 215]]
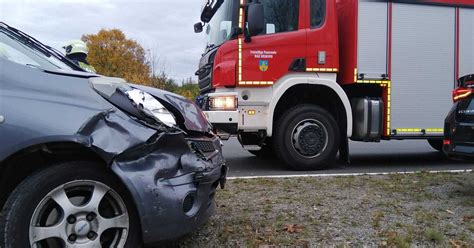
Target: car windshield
[[22, 52], [220, 27]]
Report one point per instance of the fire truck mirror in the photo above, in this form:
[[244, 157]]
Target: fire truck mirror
[[198, 27], [255, 19]]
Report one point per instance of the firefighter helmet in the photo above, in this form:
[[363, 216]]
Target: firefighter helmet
[[75, 46]]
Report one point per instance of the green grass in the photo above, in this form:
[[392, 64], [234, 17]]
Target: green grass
[[434, 235], [367, 211], [376, 219], [426, 217], [399, 241]]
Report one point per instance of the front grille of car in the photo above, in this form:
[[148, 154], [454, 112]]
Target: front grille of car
[[204, 146]]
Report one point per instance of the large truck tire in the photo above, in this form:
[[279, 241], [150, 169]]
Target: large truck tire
[[68, 205], [307, 138], [436, 144]]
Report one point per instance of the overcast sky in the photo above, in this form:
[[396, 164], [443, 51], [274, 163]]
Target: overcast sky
[[165, 26]]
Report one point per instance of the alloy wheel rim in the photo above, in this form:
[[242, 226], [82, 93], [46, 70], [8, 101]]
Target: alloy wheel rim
[[309, 138], [81, 213]]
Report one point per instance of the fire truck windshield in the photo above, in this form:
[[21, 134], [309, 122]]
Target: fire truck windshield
[[219, 29]]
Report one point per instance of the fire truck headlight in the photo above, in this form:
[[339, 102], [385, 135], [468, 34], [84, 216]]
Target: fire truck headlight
[[226, 103]]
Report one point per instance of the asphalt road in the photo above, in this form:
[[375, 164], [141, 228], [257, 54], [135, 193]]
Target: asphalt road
[[387, 156]]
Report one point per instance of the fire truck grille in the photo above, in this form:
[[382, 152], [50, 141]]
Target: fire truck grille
[[204, 72], [205, 78]]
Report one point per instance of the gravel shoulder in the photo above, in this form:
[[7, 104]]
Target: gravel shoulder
[[386, 211]]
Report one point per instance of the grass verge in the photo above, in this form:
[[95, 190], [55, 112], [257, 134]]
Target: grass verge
[[386, 211]]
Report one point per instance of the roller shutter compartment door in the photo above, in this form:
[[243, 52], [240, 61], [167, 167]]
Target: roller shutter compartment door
[[372, 39], [423, 56]]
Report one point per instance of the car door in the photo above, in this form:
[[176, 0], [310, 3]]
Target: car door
[[322, 53]]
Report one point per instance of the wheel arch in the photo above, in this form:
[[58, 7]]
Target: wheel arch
[[54, 151], [307, 84], [37, 155]]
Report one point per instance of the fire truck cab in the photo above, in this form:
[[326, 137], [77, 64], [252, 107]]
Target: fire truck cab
[[299, 78]]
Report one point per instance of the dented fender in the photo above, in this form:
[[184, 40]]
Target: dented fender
[[171, 175], [160, 169], [162, 175]]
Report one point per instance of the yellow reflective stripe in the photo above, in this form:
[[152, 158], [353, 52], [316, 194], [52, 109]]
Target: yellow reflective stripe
[[419, 130], [240, 57], [389, 104], [264, 83], [241, 14], [322, 69], [384, 82], [434, 130]]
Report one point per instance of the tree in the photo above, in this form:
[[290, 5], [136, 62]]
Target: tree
[[188, 89], [112, 54]]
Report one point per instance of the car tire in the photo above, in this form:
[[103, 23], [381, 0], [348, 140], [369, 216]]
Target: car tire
[[84, 203], [307, 137], [436, 144]]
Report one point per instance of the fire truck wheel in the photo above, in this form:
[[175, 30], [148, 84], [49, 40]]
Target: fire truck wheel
[[307, 138], [436, 144]]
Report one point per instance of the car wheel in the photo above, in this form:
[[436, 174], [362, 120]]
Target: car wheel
[[77, 204], [307, 138], [436, 144]]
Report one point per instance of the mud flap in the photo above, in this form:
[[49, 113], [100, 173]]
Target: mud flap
[[344, 150]]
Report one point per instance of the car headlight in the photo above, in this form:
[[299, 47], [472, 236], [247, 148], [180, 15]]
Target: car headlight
[[133, 101], [151, 107]]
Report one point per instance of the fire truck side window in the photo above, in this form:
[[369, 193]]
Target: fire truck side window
[[318, 10], [280, 15]]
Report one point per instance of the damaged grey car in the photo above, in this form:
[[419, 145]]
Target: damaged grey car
[[91, 161]]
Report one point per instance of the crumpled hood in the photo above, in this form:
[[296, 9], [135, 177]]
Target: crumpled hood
[[194, 119]]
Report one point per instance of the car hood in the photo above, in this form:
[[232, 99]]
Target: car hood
[[192, 115]]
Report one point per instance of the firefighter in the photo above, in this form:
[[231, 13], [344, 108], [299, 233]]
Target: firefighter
[[76, 51]]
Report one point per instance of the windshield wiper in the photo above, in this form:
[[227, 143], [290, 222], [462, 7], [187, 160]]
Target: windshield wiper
[[37, 45], [27, 40], [210, 46]]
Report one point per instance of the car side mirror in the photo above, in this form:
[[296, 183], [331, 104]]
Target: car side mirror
[[255, 19], [198, 27]]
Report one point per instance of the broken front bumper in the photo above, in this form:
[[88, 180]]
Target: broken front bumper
[[173, 183]]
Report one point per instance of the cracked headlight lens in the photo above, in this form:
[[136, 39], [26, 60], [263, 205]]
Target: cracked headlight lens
[[151, 107], [139, 103]]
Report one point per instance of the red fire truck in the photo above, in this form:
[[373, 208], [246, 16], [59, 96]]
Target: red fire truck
[[299, 78]]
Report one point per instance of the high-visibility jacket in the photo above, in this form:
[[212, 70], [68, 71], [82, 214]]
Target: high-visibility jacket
[[86, 67]]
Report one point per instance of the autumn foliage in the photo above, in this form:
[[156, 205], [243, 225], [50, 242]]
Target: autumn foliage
[[112, 54]]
